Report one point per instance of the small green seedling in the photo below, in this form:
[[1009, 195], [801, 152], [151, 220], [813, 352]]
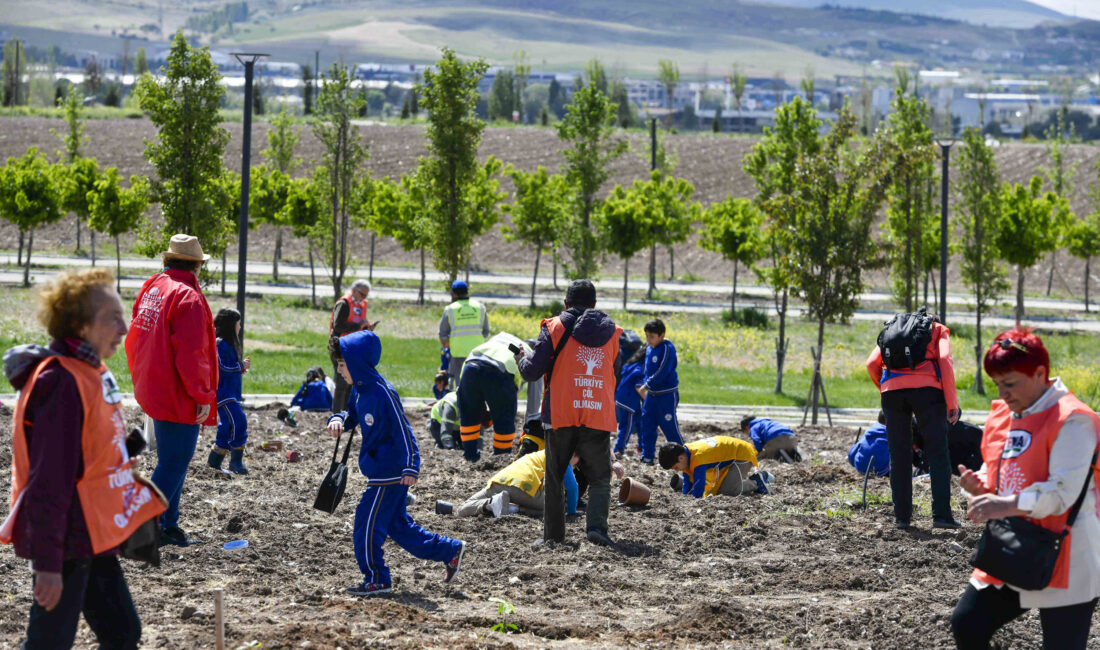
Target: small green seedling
[[504, 609]]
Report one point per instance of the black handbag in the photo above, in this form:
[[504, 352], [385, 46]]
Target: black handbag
[[336, 480], [1022, 553]]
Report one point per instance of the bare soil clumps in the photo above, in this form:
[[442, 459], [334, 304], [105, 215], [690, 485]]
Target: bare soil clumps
[[801, 567]]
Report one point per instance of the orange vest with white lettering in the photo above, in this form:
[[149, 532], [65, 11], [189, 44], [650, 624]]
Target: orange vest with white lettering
[[114, 503], [357, 313], [1025, 460], [582, 383]]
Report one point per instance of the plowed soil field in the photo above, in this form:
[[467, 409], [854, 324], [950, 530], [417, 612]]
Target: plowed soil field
[[801, 567], [711, 163]]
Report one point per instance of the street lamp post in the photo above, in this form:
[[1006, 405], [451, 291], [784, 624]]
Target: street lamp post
[[248, 60], [945, 144]]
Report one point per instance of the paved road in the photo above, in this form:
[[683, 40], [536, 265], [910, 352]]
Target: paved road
[[1063, 324], [610, 284]]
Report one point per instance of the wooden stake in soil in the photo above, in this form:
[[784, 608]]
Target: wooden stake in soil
[[219, 620]]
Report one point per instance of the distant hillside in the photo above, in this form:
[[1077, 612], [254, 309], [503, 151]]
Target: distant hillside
[[704, 37], [995, 13]]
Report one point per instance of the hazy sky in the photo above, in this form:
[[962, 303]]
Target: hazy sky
[[1079, 8]]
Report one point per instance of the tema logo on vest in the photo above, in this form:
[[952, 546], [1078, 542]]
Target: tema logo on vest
[[592, 358], [1016, 443]]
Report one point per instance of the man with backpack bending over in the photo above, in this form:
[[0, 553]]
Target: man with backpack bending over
[[912, 367]]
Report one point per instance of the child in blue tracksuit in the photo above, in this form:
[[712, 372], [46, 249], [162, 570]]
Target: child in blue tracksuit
[[659, 391], [313, 394], [772, 439], [232, 423], [390, 459], [627, 401]]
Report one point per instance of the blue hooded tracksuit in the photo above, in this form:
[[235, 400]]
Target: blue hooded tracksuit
[[313, 396], [232, 423], [628, 403], [387, 454], [762, 430], [659, 407], [872, 444]]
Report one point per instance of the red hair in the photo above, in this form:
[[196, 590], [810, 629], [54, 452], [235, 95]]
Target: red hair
[[1022, 351]]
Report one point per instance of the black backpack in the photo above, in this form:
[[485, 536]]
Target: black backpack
[[904, 340]]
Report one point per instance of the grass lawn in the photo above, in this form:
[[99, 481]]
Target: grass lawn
[[719, 363]]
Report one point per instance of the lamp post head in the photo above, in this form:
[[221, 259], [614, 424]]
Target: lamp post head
[[248, 57], [946, 141]]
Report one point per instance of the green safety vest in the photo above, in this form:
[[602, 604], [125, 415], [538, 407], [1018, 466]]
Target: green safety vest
[[437, 408], [496, 350], [465, 316]]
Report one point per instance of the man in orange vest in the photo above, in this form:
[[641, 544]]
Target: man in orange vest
[[349, 315], [578, 352]]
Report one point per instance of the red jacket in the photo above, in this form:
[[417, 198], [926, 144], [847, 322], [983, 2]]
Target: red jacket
[[171, 349], [925, 374]]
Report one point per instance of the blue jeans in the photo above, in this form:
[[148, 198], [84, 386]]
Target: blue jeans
[[175, 447], [96, 588], [232, 425]]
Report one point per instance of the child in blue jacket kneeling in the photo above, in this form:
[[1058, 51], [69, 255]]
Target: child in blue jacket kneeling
[[390, 459]]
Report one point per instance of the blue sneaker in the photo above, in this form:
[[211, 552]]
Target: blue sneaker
[[762, 478], [370, 589], [455, 564]]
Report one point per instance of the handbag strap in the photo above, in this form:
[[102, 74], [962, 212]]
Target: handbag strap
[[561, 344], [1081, 497]]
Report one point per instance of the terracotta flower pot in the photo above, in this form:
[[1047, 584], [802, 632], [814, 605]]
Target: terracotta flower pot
[[633, 493]]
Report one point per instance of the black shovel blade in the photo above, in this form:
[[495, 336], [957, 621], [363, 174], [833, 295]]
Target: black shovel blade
[[332, 488]]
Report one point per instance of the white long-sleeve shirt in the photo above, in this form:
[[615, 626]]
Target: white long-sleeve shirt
[[1069, 468]]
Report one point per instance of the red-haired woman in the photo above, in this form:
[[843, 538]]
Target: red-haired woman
[[1037, 446]]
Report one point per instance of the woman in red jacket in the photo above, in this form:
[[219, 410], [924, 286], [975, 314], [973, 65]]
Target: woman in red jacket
[[174, 364], [926, 391], [75, 497]]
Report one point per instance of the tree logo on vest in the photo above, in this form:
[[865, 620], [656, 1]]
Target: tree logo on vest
[[111, 393], [1017, 443], [592, 358]]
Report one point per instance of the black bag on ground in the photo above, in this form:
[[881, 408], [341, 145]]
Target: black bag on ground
[[332, 487], [904, 339], [1021, 553]]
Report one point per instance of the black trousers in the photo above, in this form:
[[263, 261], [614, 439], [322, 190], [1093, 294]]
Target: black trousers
[[930, 409], [981, 612], [340, 395], [594, 449], [96, 588]]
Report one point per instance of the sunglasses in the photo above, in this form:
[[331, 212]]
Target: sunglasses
[[1007, 344]]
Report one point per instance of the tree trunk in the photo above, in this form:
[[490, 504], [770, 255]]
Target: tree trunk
[[978, 386], [78, 229], [278, 253], [935, 293], [420, 296], [224, 265], [781, 344], [27, 261], [652, 272], [370, 273], [908, 259], [91, 235], [1019, 295], [817, 365], [671, 264], [626, 274], [118, 265], [926, 274], [312, 279], [733, 296], [554, 258], [19, 258], [1088, 262], [1050, 278], [535, 277]]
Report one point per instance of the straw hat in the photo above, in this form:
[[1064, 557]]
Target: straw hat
[[184, 247]]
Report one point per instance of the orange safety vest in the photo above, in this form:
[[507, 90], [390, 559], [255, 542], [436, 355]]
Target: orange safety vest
[[115, 504], [357, 313], [1026, 460], [582, 383]]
